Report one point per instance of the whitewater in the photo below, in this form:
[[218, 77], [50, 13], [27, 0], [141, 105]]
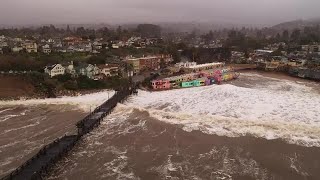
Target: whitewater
[[85, 102], [254, 105], [271, 109]]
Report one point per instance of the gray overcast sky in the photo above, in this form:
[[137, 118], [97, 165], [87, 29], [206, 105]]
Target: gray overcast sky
[[124, 11]]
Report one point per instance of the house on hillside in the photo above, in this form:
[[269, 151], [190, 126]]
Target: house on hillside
[[31, 47], [70, 69], [97, 45], [17, 49], [109, 70], [71, 49], [88, 70], [55, 70], [46, 49]]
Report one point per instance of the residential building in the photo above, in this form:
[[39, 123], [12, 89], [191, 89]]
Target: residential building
[[31, 47], [55, 70], [46, 49], [262, 52], [70, 69], [72, 41], [88, 47], [88, 70], [115, 46], [97, 45], [185, 64], [148, 62], [109, 69], [17, 49], [203, 67], [135, 63]]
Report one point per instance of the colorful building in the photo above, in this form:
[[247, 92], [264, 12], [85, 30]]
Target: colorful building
[[202, 78], [160, 84]]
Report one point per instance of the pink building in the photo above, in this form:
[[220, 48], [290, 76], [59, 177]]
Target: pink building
[[160, 84]]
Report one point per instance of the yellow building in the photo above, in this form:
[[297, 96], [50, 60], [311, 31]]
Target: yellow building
[[135, 63]]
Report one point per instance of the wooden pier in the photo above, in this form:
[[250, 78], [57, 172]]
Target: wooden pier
[[39, 165]]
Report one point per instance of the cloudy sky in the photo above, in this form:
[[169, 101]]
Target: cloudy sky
[[153, 11]]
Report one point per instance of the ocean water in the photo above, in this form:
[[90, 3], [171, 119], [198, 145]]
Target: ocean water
[[28, 125], [256, 127], [271, 109]]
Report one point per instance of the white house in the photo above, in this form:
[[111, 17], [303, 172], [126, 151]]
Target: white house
[[115, 46], [50, 40], [55, 70], [46, 49]]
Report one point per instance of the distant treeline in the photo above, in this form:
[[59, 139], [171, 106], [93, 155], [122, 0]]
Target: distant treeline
[[143, 30]]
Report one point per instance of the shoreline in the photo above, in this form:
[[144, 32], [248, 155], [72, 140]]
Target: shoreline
[[58, 95], [69, 93]]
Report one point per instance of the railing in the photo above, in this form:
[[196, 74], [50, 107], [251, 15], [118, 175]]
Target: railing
[[66, 143]]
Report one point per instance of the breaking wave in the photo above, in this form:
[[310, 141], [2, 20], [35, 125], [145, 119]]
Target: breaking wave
[[83, 102], [278, 109]]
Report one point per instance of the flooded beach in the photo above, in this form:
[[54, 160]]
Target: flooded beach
[[256, 127]]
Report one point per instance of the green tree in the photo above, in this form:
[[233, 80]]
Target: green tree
[[96, 60]]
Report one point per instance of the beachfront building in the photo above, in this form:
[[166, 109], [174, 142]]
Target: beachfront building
[[135, 63], [203, 67], [148, 62], [161, 84], [175, 81], [204, 77], [109, 70], [185, 64]]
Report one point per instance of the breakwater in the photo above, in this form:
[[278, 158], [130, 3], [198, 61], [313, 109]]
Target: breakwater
[[39, 165]]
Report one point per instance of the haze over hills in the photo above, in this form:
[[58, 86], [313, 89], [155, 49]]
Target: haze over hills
[[199, 27], [297, 24]]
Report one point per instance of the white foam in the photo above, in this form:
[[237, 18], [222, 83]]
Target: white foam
[[84, 102], [286, 110]]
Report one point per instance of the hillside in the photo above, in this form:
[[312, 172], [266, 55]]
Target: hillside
[[296, 24], [15, 87]]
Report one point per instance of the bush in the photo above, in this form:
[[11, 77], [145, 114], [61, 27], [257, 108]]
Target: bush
[[96, 60], [63, 78], [71, 85], [86, 83]]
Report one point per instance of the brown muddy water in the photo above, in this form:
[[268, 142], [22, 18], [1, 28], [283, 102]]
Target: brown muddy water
[[25, 129], [144, 148], [184, 134]]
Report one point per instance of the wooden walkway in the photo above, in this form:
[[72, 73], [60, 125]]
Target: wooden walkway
[[39, 165]]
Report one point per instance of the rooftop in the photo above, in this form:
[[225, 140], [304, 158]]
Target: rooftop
[[205, 65]]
